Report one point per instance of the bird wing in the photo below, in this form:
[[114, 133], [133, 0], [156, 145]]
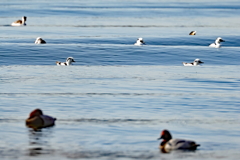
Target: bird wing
[[18, 21]]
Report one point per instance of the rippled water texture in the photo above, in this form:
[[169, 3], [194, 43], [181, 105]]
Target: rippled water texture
[[115, 99]]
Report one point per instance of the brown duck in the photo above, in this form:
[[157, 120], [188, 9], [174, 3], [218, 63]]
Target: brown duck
[[38, 120]]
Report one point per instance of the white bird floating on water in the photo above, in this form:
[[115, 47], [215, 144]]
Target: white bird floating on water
[[20, 22], [169, 144], [196, 62], [217, 43], [139, 42], [67, 63], [39, 40]]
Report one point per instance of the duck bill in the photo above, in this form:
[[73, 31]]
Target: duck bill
[[142, 42], [160, 138], [201, 62], [222, 40]]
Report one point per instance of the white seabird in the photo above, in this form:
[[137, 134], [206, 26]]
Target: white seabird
[[196, 62], [139, 42], [68, 62], [39, 40], [217, 43], [20, 22]]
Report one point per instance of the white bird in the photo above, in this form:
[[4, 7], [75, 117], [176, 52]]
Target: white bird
[[139, 42], [196, 62], [193, 33], [169, 144], [217, 43], [39, 40], [67, 63], [20, 22]]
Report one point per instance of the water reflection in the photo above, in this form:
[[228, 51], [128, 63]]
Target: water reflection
[[39, 141]]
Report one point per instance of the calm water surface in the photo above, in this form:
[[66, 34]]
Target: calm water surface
[[117, 97]]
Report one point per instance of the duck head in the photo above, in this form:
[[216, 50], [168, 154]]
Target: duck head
[[24, 18], [36, 112], [198, 61], [165, 135], [70, 60], [219, 39], [141, 40]]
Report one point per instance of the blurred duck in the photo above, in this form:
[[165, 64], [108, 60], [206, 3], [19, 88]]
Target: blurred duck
[[38, 120], [39, 40], [217, 43], [67, 63], [139, 42], [20, 22], [193, 33], [196, 62], [169, 144]]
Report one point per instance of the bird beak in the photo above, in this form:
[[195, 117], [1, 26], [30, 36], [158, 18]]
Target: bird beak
[[222, 40], [142, 41], [201, 62], [159, 138], [73, 61]]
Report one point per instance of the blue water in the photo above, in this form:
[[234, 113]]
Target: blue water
[[115, 100]]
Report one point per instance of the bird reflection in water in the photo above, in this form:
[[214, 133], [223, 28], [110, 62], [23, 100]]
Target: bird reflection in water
[[39, 142]]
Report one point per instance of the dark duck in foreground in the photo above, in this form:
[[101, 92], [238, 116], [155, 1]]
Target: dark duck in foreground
[[38, 120]]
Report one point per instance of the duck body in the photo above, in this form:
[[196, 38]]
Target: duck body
[[169, 144], [217, 43], [196, 62], [193, 33], [139, 42], [20, 22], [68, 62], [38, 120], [184, 144], [39, 40]]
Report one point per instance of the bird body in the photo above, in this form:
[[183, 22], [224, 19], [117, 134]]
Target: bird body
[[217, 43], [193, 33], [68, 62], [196, 62], [139, 42], [39, 40], [20, 22], [169, 144], [38, 120]]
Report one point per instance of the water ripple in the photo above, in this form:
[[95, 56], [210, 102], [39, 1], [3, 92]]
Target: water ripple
[[137, 121]]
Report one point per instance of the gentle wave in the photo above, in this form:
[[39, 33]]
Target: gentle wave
[[137, 121], [75, 153], [108, 154], [119, 94], [81, 153], [132, 26]]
